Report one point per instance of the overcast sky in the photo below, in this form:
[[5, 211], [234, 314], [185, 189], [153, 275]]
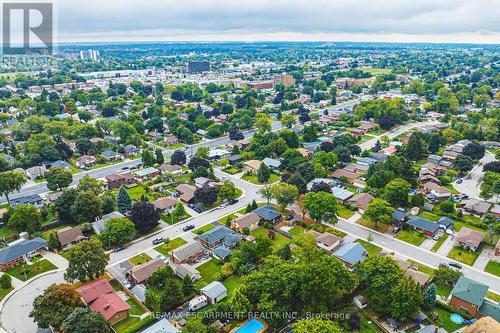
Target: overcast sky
[[474, 21]]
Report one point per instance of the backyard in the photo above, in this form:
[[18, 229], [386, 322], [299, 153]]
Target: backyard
[[279, 241], [209, 272], [169, 246]]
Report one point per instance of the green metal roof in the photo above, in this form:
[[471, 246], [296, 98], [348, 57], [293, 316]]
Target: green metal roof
[[470, 291]]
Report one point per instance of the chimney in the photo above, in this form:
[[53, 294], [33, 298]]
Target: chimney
[[106, 306]]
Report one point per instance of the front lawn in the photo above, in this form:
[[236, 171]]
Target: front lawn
[[209, 271], [4, 292], [254, 180], [463, 256], [383, 228], [170, 219], [344, 212], [279, 241], [167, 247], [25, 272], [372, 249], [203, 229], [139, 259], [411, 236], [493, 267]]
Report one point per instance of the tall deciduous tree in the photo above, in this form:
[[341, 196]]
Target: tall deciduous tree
[[87, 260], [144, 216], [379, 211], [86, 207], [25, 218], [11, 181], [396, 192], [58, 178], [321, 206], [55, 304], [85, 320], [285, 194], [316, 325], [117, 231]]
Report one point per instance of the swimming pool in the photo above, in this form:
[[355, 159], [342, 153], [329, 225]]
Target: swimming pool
[[252, 326]]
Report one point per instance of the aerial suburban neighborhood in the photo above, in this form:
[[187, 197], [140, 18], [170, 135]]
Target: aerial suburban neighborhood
[[251, 187]]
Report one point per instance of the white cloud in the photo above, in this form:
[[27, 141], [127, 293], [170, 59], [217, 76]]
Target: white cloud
[[393, 20]]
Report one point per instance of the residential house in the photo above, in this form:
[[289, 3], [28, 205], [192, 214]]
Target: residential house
[[171, 140], [342, 175], [70, 236], [468, 295], [165, 205], [268, 214], [21, 251], [131, 151], [141, 274], [161, 326], [147, 173], [218, 236], [217, 154], [399, 217], [221, 252], [482, 325], [475, 207], [495, 210], [271, 163], [201, 182], [110, 155], [341, 194], [357, 132], [234, 159], [441, 193], [306, 153], [33, 199], [361, 200], [60, 164], [351, 254], [85, 161], [187, 253], [170, 168], [115, 180], [468, 238], [366, 161], [445, 223], [250, 221], [327, 241], [185, 269], [186, 192], [367, 126], [35, 172], [99, 224], [316, 181], [214, 292], [101, 297], [427, 227], [251, 166]]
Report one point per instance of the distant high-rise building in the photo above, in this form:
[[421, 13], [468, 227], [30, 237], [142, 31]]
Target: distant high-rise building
[[197, 66], [284, 79], [90, 54]]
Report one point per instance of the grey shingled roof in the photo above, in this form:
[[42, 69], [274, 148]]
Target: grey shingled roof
[[9, 253], [214, 289]]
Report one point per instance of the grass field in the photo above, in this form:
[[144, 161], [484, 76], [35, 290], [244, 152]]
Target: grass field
[[493, 267], [422, 268], [254, 180], [297, 230], [383, 228], [443, 290], [6, 232], [140, 259], [372, 249], [203, 229], [279, 241], [166, 248], [377, 71], [4, 292], [445, 321], [411, 236], [231, 283], [38, 267], [429, 216], [209, 272], [167, 218], [463, 256], [344, 212]]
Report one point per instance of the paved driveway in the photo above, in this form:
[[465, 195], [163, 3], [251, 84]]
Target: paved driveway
[[471, 184], [447, 245], [428, 243], [483, 259]]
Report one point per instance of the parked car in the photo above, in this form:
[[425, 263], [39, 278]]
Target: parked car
[[289, 217], [436, 237], [125, 168], [158, 240], [232, 201], [162, 257], [459, 181], [188, 227], [126, 284], [119, 248], [455, 264]]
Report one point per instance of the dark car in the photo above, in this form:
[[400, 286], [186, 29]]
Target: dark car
[[232, 201], [455, 264], [158, 240], [188, 227], [119, 248], [289, 217]]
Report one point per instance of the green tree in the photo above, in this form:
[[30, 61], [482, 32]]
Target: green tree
[[418, 200], [25, 218], [202, 152], [227, 191], [321, 206], [148, 158], [86, 260], [85, 320], [58, 178], [316, 325], [288, 120], [239, 303], [117, 231], [11, 181], [53, 241], [379, 211], [406, 298], [263, 174], [463, 163], [86, 207], [90, 184], [265, 192], [55, 304], [187, 286], [5, 281], [430, 296], [172, 295], [434, 143], [123, 200], [285, 194], [447, 207], [396, 192], [414, 151], [179, 211], [160, 159], [195, 325], [108, 203]]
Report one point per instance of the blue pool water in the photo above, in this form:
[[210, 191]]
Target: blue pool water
[[456, 318], [252, 326]]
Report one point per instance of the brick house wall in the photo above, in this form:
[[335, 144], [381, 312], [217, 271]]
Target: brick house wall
[[459, 303]]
